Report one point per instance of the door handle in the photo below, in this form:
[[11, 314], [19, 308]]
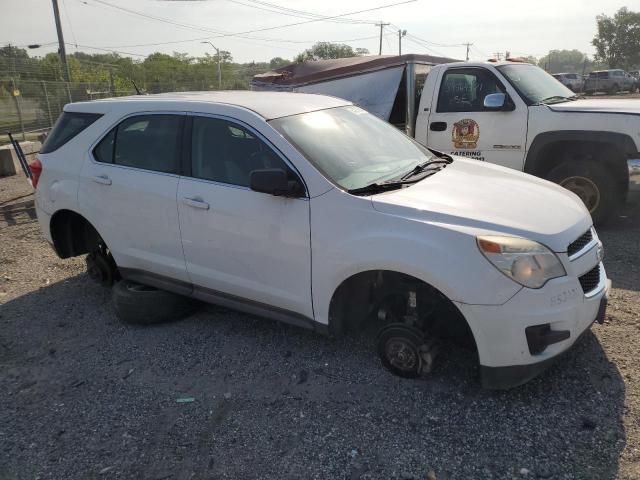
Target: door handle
[[438, 126], [195, 203], [102, 179]]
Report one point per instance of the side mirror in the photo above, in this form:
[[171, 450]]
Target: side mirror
[[495, 101], [274, 181]]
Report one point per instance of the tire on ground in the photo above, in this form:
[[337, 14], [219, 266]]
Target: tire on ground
[[143, 305], [572, 174]]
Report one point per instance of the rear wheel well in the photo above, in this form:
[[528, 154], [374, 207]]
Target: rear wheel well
[[72, 234], [376, 295], [551, 155]]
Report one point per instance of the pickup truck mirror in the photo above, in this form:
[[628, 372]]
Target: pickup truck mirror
[[496, 102], [274, 181]]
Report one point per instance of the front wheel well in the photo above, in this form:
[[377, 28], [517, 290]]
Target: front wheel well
[[376, 295], [557, 152], [72, 234]]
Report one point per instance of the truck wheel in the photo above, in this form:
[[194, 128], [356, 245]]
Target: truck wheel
[[143, 305], [614, 89], [592, 182]]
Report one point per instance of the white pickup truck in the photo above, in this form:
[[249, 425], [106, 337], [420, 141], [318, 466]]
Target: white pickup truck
[[509, 113]]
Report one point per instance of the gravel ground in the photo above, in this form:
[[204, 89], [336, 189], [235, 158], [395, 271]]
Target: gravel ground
[[227, 395]]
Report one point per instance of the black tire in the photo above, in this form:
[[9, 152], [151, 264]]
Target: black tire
[[592, 182], [614, 89], [143, 305], [398, 335]]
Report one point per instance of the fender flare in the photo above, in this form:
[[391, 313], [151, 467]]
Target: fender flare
[[534, 160]]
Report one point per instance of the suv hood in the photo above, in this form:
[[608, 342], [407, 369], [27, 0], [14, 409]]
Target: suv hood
[[593, 105], [483, 198]]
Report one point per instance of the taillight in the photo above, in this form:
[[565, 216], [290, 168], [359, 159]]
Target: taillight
[[36, 171]]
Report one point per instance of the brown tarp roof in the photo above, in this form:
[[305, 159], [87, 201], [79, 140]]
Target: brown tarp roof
[[319, 70]]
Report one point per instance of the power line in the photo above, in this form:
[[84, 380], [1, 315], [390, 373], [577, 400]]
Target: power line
[[480, 52], [66, 14], [435, 44], [240, 34], [110, 50], [270, 7], [429, 50], [187, 26]]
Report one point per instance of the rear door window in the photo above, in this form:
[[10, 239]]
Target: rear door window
[[104, 151], [68, 125], [149, 142]]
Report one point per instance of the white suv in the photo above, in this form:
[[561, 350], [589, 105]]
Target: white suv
[[309, 210]]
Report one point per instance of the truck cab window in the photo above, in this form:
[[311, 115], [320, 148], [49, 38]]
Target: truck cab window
[[463, 90]]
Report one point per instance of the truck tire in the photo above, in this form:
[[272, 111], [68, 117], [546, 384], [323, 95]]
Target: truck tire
[[143, 305], [592, 182], [614, 89]]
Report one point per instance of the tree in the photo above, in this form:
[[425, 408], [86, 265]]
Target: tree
[[618, 39], [327, 50], [278, 62], [561, 61]]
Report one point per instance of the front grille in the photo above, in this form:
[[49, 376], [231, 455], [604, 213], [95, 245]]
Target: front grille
[[580, 243], [590, 280]]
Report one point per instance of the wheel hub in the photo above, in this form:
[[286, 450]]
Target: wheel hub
[[402, 354], [586, 189]]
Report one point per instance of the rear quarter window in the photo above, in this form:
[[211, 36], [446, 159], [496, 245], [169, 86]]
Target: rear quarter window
[[68, 125]]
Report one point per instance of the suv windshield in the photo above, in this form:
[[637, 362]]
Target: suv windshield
[[535, 85], [351, 147]]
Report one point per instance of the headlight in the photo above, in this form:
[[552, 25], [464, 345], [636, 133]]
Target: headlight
[[524, 261]]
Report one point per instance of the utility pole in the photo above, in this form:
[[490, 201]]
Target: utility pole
[[497, 56], [401, 33], [507, 55], [219, 60], [61, 50], [381, 25], [468, 46]]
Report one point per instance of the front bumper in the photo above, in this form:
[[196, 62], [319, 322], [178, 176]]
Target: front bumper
[[634, 174], [506, 358], [502, 378]]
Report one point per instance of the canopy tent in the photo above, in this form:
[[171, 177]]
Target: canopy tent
[[371, 82]]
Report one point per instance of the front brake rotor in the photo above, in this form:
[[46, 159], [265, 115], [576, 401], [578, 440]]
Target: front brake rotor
[[405, 351]]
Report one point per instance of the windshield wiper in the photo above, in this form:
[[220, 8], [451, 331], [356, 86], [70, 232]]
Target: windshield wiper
[[418, 169], [376, 187]]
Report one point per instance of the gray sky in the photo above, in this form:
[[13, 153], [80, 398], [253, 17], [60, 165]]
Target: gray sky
[[523, 28]]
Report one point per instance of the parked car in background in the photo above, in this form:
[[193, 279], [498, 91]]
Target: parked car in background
[[572, 81], [609, 81], [309, 210]]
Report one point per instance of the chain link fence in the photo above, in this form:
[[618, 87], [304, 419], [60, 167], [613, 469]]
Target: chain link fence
[[30, 107]]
